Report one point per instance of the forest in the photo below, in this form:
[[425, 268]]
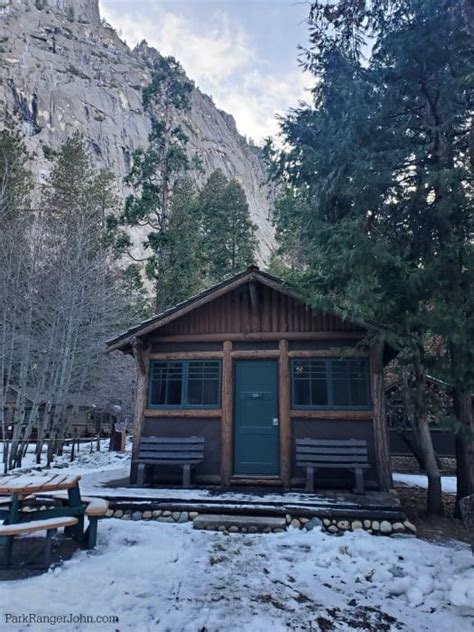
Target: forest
[[376, 220], [73, 272]]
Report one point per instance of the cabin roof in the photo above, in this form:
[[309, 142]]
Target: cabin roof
[[124, 340]]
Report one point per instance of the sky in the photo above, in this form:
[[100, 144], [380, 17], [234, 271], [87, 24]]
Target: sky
[[243, 53]]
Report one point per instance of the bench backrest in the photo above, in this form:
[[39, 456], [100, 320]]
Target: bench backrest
[[172, 449], [320, 451]]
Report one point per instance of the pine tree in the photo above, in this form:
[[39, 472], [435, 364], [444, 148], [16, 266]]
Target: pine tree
[[181, 261], [229, 233], [156, 173], [380, 188]]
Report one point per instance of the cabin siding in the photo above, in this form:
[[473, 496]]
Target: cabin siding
[[158, 346], [255, 320], [271, 311], [323, 345]]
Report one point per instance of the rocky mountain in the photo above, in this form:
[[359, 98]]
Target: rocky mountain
[[62, 69]]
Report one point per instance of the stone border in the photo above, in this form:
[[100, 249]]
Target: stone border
[[156, 514], [333, 526]]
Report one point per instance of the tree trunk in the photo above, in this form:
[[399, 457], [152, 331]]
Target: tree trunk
[[413, 443], [434, 500], [464, 444], [411, 438], [382, 447]]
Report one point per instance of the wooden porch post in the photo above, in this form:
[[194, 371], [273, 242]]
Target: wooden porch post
[[227, 415], [141, 357], [285, 421], [381, 439]]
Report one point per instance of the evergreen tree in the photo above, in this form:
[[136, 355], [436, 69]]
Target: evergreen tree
[[229, 233], [181, 261], [379, 184], [156, 173], [15, 179]]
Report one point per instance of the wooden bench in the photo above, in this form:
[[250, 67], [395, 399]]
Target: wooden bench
[[50, 525], [350, 454], [96, 508], [186, 452]]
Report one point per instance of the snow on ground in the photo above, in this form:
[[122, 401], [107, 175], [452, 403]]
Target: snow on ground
[[85, 459], [448, 483], [158, 576], [98, 470]]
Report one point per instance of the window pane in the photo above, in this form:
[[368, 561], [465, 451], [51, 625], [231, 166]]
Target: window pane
[[319, 393], [203, 383], [158, 392], [211, 392], [340, 393], [359, 395], [166, 381], [194, 391], [349, 383], [174, 392], [302, 393], [310, 385]]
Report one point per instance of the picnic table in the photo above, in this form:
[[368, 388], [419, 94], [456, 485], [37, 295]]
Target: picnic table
[[70, 514]]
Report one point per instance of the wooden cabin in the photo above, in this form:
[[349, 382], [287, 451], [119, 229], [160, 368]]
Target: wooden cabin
[[250, 367]]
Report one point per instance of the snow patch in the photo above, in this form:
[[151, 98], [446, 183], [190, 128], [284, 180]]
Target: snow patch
[[448, 483], [170, 577]]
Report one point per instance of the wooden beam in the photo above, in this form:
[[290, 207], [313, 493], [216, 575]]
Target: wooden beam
[[285, 419], [186, 355], [184, 413], [366, 415], [141, 394], [381, 440], [263, 336], [260, 481], [137, 350], [256, 353], [254, 316], [344, 352], [227, 415]]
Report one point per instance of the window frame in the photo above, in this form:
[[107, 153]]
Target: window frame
[[329, 385], [184, 387]]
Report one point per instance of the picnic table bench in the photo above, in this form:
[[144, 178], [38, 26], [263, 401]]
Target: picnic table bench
[[50, 525], [184, 451], [25, 487], [96, 508], [350, 454]]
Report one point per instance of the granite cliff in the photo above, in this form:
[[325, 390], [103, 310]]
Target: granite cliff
[[62, 69]]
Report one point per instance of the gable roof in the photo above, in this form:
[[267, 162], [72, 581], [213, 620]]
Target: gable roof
[[124, 340]]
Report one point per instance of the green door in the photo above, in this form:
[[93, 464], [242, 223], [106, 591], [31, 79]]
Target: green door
[[256, 435]]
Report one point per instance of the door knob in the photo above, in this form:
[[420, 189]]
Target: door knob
[[275, 421]]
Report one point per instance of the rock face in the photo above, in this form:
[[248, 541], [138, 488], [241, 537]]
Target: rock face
[[62, 70]]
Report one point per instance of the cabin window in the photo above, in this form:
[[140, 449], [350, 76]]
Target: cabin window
[[330, 383], [185, 384]]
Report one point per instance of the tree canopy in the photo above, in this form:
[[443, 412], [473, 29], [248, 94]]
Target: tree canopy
[[377, 207]]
